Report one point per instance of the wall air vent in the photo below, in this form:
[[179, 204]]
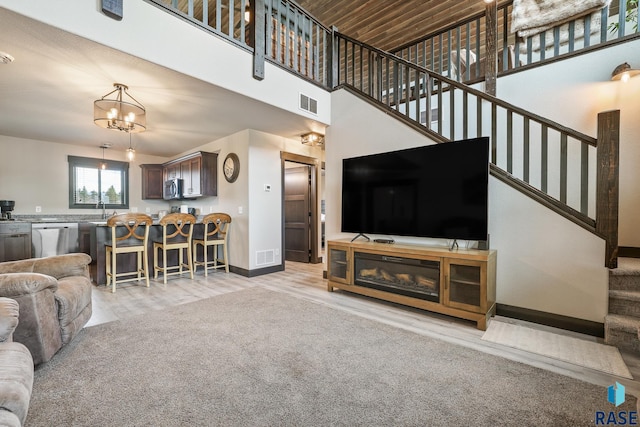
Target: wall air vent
[[308, 104], [265, 257]]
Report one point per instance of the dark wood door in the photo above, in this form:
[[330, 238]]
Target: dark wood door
[[297, 212]]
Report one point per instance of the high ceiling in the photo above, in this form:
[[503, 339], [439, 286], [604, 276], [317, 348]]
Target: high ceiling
[[48, 91], [388, 24], [47, 94]]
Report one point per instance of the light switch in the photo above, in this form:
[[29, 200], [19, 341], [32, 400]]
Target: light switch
[[240, 210]]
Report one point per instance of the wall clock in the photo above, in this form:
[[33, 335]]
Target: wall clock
[[231, 167]]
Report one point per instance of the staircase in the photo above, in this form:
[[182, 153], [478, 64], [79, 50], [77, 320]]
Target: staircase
[[622, 324]]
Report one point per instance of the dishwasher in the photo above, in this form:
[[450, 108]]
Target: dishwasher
[[54, 238]]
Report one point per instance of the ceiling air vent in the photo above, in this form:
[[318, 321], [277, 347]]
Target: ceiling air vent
[[308, 104]]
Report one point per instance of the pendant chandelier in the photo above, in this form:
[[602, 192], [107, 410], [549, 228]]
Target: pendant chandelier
[[118, 110]]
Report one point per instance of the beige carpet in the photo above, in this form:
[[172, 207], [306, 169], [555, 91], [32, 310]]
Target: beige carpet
[[600, 357]]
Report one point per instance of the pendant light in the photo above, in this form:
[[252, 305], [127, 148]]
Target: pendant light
[[103, 164], [131, 153]]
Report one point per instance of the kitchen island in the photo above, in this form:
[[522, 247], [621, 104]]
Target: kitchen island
[[100, 235]]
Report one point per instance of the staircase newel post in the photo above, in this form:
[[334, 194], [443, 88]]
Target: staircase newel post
[[258, 37], [333, 58], [491, 67], [607, 183]]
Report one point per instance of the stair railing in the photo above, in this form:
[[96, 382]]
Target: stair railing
[[459, 51], [557, 166]]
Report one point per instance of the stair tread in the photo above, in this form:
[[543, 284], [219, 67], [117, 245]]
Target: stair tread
[[619, 321], [626, 267], [628, 295]]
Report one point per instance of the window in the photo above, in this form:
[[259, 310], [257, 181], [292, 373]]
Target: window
[[89, 184]]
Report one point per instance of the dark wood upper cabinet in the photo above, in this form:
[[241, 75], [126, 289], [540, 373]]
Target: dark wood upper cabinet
[[199, 172], [152, 181]]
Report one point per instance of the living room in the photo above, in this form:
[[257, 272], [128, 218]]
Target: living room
[[545, 264]]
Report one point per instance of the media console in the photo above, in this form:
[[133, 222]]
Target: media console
[[460, 283]]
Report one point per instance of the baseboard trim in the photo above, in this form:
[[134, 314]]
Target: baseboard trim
[[554, 320], [628, 252], [257, 272]]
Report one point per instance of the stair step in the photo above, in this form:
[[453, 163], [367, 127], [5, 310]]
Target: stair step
[[622, 331], [627, 276], [625, 303]]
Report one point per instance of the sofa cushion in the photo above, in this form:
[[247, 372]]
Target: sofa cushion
[[16, 379], [16, 284], [38, 327], [9, 419], [63, 265], [21, 266], [8, 319], [74, 305]]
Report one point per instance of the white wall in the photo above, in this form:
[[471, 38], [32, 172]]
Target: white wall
[[36, 173], [573, 92], [256, 213], [545, 263]]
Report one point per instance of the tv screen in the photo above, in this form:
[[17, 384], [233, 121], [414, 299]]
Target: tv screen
[[438, 191]]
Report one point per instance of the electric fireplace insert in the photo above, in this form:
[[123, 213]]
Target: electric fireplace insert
[[410, 277]]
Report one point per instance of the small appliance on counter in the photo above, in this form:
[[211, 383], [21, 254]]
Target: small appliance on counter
[[6, 206]]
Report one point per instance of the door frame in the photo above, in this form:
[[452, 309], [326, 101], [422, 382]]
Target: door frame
[[314, 257]]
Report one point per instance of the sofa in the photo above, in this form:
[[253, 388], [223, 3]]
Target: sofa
[[16, 369], [54, 294]]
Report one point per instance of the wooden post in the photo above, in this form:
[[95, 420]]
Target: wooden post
[[258, 37], [607, 187], [491, 62], [333, 59]]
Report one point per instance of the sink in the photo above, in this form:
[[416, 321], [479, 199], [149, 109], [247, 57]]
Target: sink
[[48, 219], [99, 222]]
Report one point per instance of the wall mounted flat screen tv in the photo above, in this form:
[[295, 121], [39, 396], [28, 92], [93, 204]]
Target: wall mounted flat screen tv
[[438, 191]]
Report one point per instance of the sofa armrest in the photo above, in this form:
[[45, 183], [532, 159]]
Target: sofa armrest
[[59, 266], [16, 284], [9, 311]]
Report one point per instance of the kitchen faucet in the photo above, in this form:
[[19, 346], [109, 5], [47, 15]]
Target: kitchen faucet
[[104, 212]]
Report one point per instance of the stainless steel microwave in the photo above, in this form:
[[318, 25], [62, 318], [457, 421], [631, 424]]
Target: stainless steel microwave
[[173, 189]]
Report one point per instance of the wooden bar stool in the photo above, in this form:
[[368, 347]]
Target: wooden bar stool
[[177, 232], [216, 232], [129, 234]]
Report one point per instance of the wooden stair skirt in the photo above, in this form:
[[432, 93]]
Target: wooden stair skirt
[[622, 324]]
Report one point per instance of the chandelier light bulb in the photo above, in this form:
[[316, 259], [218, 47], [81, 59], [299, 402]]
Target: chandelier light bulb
[[625, 77]]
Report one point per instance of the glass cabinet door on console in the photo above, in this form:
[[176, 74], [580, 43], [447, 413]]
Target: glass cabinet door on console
[[338, 270], [465, 285]]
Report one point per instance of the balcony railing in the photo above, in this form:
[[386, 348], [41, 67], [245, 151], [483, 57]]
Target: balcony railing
[[459, 51]]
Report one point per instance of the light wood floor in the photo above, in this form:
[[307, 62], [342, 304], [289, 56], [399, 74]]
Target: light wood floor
[[305, 281]]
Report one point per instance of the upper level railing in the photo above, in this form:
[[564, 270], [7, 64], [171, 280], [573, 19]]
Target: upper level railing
[[460, 51], [287, 36]]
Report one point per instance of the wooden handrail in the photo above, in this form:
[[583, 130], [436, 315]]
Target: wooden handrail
[[407, 90], [461, 86]]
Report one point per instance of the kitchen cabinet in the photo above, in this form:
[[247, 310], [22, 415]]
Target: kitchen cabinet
[[15, 241], [152, 181], [199, 172]]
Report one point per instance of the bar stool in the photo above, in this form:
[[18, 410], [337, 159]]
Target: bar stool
[[216, 232], [126, 237], [177, 232]]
